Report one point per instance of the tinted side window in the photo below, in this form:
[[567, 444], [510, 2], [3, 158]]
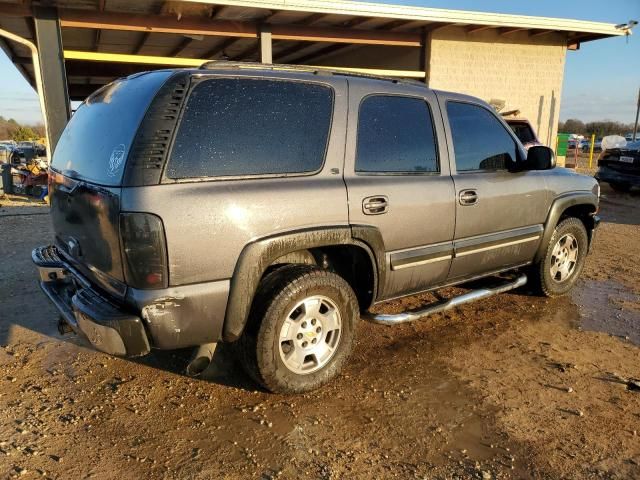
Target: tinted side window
[[480, 141], [395, 135], [238, 126]]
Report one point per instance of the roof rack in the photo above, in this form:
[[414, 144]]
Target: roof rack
[[315, 70]]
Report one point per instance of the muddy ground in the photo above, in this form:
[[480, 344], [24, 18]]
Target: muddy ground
[[516, 386]]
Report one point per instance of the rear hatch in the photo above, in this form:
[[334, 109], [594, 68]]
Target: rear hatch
[[86, 177], [624, 160]]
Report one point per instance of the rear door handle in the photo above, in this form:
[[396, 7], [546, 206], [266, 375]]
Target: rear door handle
[[375, 205], [468, 197]]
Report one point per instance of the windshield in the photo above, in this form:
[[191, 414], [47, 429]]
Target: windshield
[[96, 141]]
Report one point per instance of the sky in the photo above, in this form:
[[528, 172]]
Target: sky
[[601, 79]]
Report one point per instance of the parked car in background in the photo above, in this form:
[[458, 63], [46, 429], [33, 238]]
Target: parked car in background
[[524, 131], [10, 154], [620, 167], [586, 145], [321, 195], [38, 149]]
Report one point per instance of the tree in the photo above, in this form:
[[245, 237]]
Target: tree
[[22, 134], [571, 126]]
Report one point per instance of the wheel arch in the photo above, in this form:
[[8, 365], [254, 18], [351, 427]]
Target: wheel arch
[[328, 246], [581, 205]]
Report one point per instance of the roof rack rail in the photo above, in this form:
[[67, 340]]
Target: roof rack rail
[[214, 64], [316, 70]]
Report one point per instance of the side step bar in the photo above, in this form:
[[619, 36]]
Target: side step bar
[[384, 319]]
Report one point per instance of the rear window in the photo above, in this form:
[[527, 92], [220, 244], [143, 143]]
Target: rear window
[[523, 131], [96, 141], [243, 126], [395, 135]]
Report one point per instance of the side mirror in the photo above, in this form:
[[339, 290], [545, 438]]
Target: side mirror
[[540, 157]]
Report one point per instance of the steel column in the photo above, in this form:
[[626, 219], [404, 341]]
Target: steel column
[[425, 55], [266, 44], [52, 70]]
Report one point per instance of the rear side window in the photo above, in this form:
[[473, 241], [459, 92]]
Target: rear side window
[[395, 135], [238, 126], [523, 131], [96, 141], [480, 141]]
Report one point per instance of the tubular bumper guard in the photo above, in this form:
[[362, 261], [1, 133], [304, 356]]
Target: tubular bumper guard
[[107, 326]]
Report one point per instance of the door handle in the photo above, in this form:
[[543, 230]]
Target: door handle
[[375, 205], [468, 197]]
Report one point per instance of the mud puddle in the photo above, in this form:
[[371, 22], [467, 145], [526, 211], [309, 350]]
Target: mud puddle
[[610, 307]]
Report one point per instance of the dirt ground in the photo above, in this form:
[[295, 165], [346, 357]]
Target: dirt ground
[[516, 386]]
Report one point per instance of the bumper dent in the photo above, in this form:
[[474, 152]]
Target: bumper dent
[[107, 327]]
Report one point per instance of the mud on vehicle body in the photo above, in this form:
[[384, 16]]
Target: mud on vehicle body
[[272, 207]]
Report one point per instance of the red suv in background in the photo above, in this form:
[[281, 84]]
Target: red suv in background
[[524, 131]]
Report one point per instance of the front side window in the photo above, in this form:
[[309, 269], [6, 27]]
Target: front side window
[[480, 141], [245, 126], [395, 135]]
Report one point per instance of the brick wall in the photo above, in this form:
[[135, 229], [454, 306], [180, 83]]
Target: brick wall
[[523, 71], [526, 72]]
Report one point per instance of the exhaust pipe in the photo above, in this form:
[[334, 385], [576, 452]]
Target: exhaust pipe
[[384, 319], [200, 360]]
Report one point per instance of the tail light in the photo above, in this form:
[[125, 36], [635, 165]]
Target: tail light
[[145, 251]]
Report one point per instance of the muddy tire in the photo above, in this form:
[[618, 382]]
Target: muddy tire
[[564, 259], [301, 329], [620, 187]]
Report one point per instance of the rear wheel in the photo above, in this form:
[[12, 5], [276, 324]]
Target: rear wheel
[[301, 329], [564, 259], [620, 187]]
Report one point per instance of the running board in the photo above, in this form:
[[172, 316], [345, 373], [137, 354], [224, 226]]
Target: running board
[[384, 319]]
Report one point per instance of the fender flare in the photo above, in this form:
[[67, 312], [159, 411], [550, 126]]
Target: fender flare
[[259, 254], [558, 207]]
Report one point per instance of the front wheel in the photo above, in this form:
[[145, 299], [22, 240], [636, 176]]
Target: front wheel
[[564, 259], [301, 329]]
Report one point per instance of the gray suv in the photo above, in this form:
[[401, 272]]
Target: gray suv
[[273, 206]]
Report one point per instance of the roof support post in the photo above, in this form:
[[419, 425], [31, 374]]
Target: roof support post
[[52, 70], [425, 54], [266, 44]]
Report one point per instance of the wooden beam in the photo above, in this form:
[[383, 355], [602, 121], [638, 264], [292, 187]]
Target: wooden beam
[[178, 49], [248, 52], [345, 35], [295, 48], [220, 48], [198, 26], [328, 50], [539, 33], [354, 22], [479, 28], [332, 49], [509, 31], [156, 24], [98, 32], [392, 25], [311, 19], [145, 36]]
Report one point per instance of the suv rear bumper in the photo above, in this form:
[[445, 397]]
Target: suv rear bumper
[[107, 327], [171, 318], [606, 174]]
